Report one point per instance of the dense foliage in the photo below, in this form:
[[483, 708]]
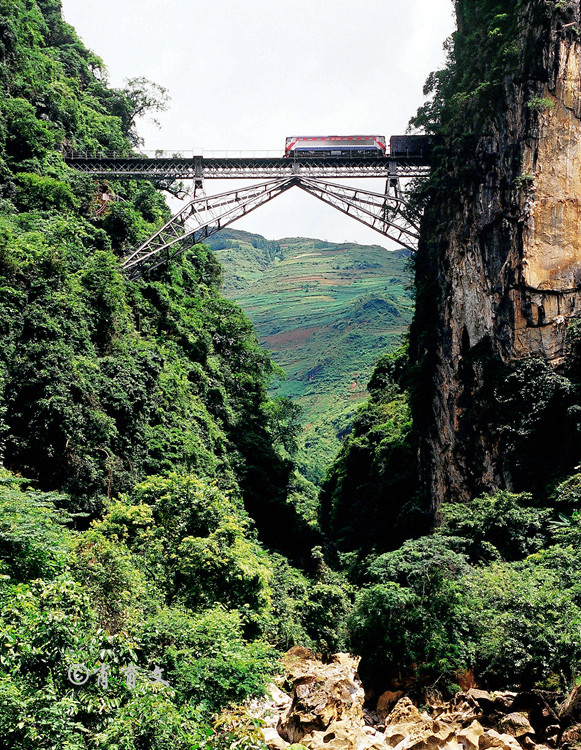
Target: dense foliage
[[156, 464], [494, 593], [104, 382], [117, 596], [369, 499]]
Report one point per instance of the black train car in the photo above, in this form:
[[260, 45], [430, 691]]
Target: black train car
[[410, 145]]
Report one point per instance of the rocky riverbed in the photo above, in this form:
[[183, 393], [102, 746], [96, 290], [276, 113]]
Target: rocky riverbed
[[321, 706]]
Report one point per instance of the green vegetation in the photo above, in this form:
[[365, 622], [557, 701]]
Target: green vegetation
[[495, 591], [114, 596], [153, 525], [146, 467], [480, 54], [540, 103], [369, 499], [524, 180], [337, 307]]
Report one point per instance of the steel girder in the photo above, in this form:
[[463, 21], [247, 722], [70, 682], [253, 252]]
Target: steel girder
[[380, 212], [199, 219], [199, 167], [204, 216]]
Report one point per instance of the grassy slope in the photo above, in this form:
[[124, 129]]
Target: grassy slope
[[327, 312]]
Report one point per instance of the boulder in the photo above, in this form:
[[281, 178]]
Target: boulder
[[273, 740], [404, 712], [386, 702], [482, 697], [301, 653], [503, 701], [492, 738], [346, 660], [469, 737], [516, 724], [539, 712], [370, 718], [425, 738], [453, 745], [320, 696], [396, 733], [420, 732], [571, 737], [552, 734], [276, 697], [343, 735]]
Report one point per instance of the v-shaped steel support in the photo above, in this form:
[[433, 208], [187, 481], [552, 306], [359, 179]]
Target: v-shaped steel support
[[204, 216], [376, 210], [199, 219]]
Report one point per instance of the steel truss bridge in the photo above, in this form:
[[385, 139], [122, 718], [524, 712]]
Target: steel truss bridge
[[205, 215]]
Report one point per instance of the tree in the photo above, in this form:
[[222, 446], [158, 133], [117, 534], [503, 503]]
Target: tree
[[138, 98]]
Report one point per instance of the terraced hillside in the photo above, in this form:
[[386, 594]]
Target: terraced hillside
[[327, 312]]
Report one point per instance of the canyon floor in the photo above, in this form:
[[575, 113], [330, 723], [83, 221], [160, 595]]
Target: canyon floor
[[320, 705]]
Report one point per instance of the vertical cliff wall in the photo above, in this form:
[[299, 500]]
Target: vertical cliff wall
[[498, 271]]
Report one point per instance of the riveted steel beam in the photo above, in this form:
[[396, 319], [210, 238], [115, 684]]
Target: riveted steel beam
[[199, 219], [382, 212], [199, 167]]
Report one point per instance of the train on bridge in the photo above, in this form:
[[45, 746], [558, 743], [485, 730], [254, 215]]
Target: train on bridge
[[357, 146]]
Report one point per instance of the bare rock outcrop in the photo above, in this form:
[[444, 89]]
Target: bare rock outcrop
[[322, 708], [322, 694], [498, 269]]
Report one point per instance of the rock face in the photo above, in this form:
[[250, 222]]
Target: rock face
[[498, 269], [322, 695]]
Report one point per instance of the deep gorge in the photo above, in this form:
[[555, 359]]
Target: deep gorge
[[154, 521]]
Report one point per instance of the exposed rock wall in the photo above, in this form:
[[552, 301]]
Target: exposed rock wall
[[499, 266]]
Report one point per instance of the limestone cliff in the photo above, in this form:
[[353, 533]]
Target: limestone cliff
[[498, 270]]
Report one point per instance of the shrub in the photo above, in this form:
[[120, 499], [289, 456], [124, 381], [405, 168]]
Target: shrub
[[205, 656], [189, 530], [106, 571], [42, 193], [412, 623], [501, 526], [34, 542], [540, 103], [528, 620]]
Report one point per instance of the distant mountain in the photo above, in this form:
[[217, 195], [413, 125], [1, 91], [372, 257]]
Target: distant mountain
[[326, 311]]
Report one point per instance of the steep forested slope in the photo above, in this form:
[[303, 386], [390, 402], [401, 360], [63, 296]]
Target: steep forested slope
[[326, 312], [137, 438], [103, 381]]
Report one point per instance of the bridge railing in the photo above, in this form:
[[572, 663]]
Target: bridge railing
[[249, 154], [177, 154]]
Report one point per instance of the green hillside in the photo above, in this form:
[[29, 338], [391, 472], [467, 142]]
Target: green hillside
[[326, 311]]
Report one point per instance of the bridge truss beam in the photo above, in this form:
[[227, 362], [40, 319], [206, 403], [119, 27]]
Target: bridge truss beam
[[380, 212], [206, 215], [197, 220], [263, 168]]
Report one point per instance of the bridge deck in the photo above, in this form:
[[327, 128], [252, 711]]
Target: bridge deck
[[199, 167]]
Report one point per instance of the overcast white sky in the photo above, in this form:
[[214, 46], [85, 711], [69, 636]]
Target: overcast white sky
[[244, 75]]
